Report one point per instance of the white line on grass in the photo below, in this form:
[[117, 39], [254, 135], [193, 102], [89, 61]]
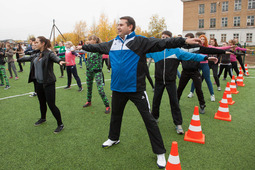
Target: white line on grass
[[19, 95], [60, 88]]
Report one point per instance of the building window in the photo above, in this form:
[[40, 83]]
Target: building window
[[249, 37], [236, 21], [212, 36], [224, 22], [201, 8], [250, 20], [213, 7], [212, 22], [225, 6], [251, 4], [201, 23], [236, 36], [238, 5], [223, 37]]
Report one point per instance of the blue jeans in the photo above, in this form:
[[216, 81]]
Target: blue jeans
[[82, 57], [205, 75]]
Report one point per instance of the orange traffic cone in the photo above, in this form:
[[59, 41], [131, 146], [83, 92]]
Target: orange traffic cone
[[239, 79], [233, 86], [194, 134], [173, 159], [229, 96], [241, 74], [246, 70], [240, 68], [223, 111]]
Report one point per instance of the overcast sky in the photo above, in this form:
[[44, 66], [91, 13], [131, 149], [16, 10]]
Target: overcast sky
[[20, 18]]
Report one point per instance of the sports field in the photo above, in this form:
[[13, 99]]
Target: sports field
[[228, 145]]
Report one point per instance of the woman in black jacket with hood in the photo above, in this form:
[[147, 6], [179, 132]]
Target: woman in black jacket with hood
[[42, 71]]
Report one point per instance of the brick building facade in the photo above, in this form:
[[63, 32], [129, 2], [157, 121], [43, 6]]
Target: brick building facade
[[221, 19]]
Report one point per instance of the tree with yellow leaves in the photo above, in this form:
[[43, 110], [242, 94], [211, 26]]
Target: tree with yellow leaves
[[69, 37], [80, 29], [156, 26]]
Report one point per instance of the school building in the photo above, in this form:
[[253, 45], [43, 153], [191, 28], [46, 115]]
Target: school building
[[221, 19]]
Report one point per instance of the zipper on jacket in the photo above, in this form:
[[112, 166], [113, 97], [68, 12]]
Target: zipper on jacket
[[164, 70]]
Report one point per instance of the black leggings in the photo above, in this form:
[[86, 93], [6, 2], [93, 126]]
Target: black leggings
[[214, 68], [47, 94], [72, 70], [227, 70], [240, 60], [20, 66], [234, 66]]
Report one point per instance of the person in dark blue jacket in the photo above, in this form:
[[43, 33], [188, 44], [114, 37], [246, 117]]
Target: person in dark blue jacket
[[166, 65], [127, 54]]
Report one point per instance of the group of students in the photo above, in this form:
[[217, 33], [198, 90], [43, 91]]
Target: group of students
[[128, 55], [7, 52]]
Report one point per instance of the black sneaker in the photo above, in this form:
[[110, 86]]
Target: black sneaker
[[67, 87], [39, 122], [1, 84], [59, 128], [202, 109], [80, 89]]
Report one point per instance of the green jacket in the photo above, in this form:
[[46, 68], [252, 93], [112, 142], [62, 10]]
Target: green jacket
[[62, 49]]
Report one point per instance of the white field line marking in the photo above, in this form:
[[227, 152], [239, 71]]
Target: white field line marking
[[64, 87], [29, 93]]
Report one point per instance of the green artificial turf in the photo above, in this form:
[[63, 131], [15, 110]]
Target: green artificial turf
[[228, 145]]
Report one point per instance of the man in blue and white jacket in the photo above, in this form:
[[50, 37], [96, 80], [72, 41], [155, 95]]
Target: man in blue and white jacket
[[127, 54]]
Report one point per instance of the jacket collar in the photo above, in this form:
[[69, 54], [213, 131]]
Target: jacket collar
[[131, 35]]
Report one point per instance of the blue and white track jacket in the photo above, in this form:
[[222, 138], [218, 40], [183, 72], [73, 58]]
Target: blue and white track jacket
[[167, 62], [128, 58]]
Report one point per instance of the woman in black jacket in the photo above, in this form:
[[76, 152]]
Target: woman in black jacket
[[42, 70]]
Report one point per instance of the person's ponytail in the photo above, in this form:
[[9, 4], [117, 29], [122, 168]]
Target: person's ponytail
[[47, 44]]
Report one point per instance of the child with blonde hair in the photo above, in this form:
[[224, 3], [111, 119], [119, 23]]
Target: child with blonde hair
[[71, 65]]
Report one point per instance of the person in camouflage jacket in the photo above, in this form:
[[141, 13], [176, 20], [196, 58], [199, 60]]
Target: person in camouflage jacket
[[94, 70]]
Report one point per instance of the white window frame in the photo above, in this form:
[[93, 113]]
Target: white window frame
[[237, 21], [236, 35], [223, 37], [213, 7], [224, 22], [212, 36], [251, 4], [249, 37], [201, 24], [225, 6], [238, 5], [250, 20], [211, 19], [201, 8]]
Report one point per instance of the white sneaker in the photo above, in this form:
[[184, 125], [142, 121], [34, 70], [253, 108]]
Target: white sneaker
[[219, 89], [179, 129], [190, 95], [109, 143], [161, 161], [212, 98]]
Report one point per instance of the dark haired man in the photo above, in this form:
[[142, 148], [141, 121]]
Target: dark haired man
[[127, 54], [166, 65], [191, 71]]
